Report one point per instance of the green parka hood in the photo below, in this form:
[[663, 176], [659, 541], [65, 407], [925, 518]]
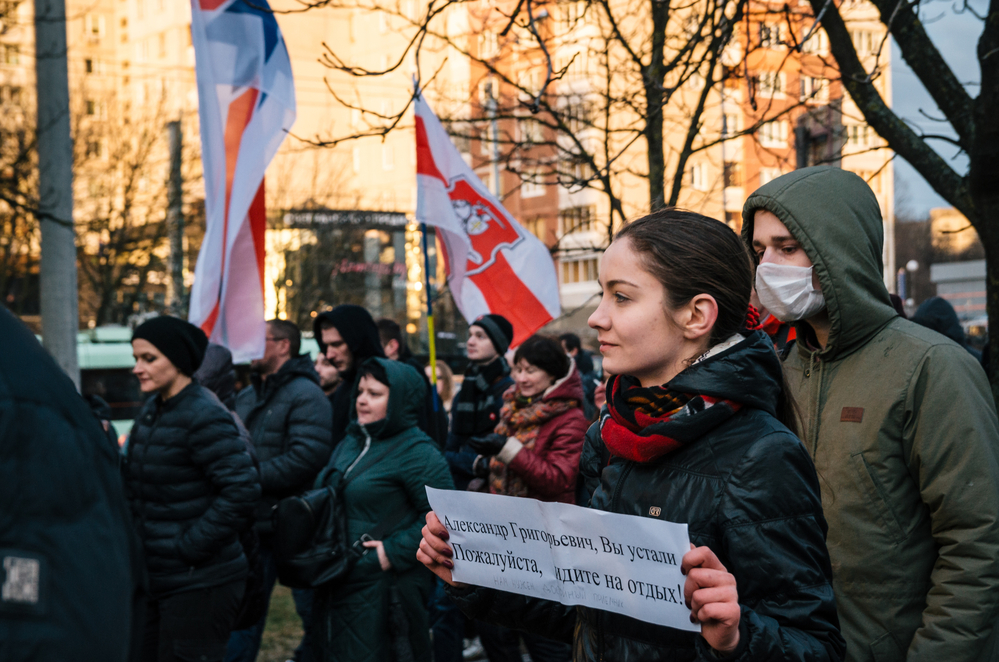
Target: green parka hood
[[407, 393], [836, 218]]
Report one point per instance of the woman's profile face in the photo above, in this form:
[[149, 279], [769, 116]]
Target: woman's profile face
[[154, 370], [372, 400], [636, 337], [530, 379]]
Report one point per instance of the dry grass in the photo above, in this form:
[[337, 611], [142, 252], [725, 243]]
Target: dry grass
[[284, 628]]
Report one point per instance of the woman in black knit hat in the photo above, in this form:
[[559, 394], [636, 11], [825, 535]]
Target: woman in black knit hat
[[192, 488]]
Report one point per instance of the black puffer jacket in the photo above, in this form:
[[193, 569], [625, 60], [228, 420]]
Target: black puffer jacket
[[289, 419], [68, 567], [748, 490], [192, 488]]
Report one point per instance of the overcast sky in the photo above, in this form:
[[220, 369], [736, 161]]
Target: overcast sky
[[956, 35]]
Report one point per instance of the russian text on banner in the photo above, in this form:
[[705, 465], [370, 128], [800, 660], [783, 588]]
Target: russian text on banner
[[577, 556]]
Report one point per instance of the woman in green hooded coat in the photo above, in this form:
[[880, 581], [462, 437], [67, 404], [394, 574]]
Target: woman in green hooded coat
[[386, 462]]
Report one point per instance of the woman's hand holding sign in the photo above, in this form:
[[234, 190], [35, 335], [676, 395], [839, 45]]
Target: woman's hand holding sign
[[434, 552], [711, 594]]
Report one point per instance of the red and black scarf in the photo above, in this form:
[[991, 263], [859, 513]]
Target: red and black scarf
[[646, 423]]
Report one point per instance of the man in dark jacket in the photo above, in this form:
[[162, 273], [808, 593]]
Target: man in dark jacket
[[474, 412], [66, 559], [587, 372], [900, 423], [431, 418], [289, 420], [348, 336], [939, 315]]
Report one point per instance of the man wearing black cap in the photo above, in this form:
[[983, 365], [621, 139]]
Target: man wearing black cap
[[289, 420], [348, 336], [475, 412]]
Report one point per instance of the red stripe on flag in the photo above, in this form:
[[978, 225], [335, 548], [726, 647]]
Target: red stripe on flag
[[239, 115], [258, 226], [425, 164], [210, 5], [209, 324], [506, 294]]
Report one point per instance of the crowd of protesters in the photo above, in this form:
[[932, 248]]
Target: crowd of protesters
[[837, 465]]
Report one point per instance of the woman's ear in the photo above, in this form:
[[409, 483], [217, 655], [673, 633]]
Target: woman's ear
[[702, 313]]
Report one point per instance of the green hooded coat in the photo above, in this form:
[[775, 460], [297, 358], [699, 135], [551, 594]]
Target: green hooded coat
[[388, 464], [902, 427]]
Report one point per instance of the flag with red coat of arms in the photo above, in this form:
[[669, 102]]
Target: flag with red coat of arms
[[493, 264], [246, 105]]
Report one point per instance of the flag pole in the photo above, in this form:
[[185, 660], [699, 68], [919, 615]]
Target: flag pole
[[431, 336]]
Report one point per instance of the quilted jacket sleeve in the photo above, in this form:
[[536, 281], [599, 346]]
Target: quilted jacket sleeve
[[952, 444], [217, 448], [308, 441], [772, 540], [425, 467], [554, 471]]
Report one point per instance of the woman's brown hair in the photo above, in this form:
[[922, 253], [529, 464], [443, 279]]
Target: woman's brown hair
[[692, 254]]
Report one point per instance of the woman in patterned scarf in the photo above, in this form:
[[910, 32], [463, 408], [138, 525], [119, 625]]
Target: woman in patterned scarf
[[534, 452]]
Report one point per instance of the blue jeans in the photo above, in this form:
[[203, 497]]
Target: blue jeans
[[245, 644], [448, 625]]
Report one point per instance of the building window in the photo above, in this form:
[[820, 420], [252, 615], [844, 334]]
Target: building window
[[530, 131], [575, 171], [730, 124], [577, 115], [162, 43], [356, 159], [858, 135], [94, 25], [572, 13], [537, 226], [817, 44], [580, 270], [486, 141], [532, 184], [771, 35], [11, 54], [773, 134], [488, 45], [772, 84], [699, 177], [814, 89], [732, 173], [864, 41], [767, 175], [577, 219], [388, 158]]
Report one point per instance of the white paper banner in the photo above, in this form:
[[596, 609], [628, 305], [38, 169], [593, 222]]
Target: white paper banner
[[576, 556]]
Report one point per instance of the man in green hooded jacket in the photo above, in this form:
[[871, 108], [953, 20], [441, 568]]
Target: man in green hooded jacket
[[899, 420]]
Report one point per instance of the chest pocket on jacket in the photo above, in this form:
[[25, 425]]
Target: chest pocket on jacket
[[877, 497]]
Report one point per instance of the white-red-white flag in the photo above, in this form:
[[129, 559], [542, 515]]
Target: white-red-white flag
[[493, 264], [246, 104]]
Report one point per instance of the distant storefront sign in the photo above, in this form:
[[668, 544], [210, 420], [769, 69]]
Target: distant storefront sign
[[310, 218]]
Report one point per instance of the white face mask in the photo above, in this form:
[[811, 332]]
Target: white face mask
[[787, 291]]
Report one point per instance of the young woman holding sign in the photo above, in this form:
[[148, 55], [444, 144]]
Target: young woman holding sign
[[697, 429]]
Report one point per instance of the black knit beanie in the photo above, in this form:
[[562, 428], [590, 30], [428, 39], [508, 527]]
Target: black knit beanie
[[181, 342], [499, 330]]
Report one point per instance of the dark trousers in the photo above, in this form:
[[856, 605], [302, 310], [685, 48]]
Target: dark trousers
[[503, 645], [448, 625], [245, 644], [193, 625]]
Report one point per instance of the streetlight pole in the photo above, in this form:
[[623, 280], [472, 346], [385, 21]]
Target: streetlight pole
[[58, 285]]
